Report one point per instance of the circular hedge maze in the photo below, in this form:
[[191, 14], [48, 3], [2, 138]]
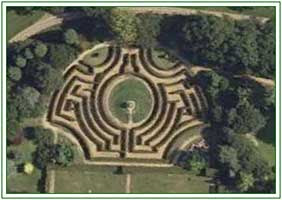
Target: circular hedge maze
[[124, 107]]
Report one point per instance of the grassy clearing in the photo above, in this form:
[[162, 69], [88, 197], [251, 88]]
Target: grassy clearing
[[97, 57], [259, 11], [130, 90], [82, 181], [169, 183], [16, 23], [22, 183]]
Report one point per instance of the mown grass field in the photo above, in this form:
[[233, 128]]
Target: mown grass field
[[82, 181], [22, 183], [99, 179], [16, 23], [169, 183]]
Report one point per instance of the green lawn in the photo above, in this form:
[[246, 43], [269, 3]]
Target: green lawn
[[130, 89], [260, 11], [16, 23], [82, 181], [22, 183], [97, 57], [169, 183], [162, 59]]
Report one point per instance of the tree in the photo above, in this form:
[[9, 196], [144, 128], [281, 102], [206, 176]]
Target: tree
[[39, 49], [44, 76], [148, 30], [196, 161], [44, 155], [125, 26], [20, 61], [28, 54], [61, 55], [266, 49], [228, 157], [212, 82], [28, 168], [71, 37], [30, 94], [63, 154], [14, 73], [245, 181], [245, 118], [242, 50], [209, 33]]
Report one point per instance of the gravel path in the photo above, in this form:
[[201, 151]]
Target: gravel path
[[128, 183]]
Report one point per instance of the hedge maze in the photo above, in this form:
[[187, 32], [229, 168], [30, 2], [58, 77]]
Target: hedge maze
[[155, 122]]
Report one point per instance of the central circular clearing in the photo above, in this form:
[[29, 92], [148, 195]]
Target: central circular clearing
[[130, 90]]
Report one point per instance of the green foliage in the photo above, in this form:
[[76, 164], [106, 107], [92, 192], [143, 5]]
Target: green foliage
[[148, 30], [245, 118], [44, 77], [39, 49], [14, 73], [125, 26], [245, 182], [266, 49], [196, 161], [28, 54], [30, 95], [228, 157], [63, 154], [71, 37], [61, 55], [20, 61], [212, 83]]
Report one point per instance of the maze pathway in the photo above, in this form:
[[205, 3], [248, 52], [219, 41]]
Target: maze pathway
[[82, 107]]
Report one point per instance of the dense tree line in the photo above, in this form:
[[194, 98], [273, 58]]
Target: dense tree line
[[234, 46], [234, 114]]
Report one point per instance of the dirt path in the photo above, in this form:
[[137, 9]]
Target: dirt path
[[263, 81], [128, 184], [42, 24]]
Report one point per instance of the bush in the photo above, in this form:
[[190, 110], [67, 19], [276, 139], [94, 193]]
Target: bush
[[14, 73], [61, 55], [63, 154], [71, 37], [40, 49], [20, 61]]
